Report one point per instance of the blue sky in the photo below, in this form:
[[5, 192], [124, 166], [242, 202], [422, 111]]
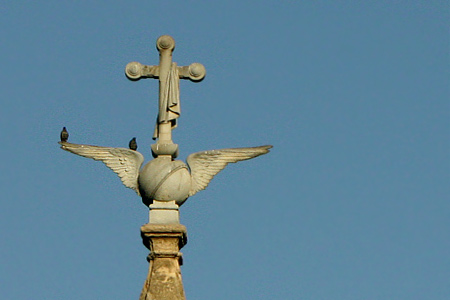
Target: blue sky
[[352, 202]]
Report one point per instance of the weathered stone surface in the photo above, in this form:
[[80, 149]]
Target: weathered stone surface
[[164, 280]]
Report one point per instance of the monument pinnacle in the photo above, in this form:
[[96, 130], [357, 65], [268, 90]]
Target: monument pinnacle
[[164, 183]]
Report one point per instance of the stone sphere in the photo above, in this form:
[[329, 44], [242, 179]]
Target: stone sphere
[[164, 180]]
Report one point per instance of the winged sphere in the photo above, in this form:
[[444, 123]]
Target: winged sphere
[[163, 178]]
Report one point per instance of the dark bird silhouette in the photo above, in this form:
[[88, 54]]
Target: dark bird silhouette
[[133, 144], [64, 135]]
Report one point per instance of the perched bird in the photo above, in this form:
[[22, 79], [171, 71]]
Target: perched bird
[[132, 144], [64, 135], [162, 178]]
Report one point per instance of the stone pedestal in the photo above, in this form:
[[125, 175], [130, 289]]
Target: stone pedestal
[[164, 213], [164, 275]]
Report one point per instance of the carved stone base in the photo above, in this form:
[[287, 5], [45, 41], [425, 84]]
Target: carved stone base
[[164, 276]]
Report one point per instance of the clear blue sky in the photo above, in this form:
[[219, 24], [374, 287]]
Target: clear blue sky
[[352, 203]]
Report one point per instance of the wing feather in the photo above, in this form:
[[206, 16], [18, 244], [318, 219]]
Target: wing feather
[[206, 164], [124, 162]]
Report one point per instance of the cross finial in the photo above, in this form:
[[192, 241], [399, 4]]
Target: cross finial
[[169, 75]]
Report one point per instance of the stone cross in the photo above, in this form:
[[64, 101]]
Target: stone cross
[[169, 75]]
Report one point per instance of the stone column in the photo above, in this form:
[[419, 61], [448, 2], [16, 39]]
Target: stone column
[[164, 275]]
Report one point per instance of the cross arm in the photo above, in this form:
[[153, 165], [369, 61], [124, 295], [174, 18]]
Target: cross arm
[[136, 71]]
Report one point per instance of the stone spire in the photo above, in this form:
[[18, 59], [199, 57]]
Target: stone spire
[[163, 235], [164, 275]]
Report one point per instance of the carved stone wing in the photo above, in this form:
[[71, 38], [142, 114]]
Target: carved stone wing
[[206, 164], [124, 162]]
